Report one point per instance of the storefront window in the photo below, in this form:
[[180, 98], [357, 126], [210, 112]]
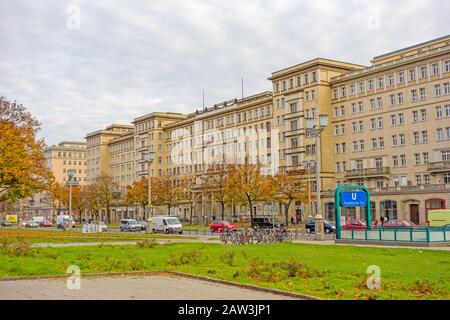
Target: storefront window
[[388, 209]]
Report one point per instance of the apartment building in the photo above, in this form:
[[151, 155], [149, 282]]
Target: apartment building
[[389, 129], [67, 155], [98, 151]]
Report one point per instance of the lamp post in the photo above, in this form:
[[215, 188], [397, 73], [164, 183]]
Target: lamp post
[[308, 165], [70, 173], [149, 157], [315, 130]]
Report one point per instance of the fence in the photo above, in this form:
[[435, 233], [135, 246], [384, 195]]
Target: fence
[[425, 234]]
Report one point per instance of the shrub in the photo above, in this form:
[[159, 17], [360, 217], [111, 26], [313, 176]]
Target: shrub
[[299, 269], [17, 249], [425, 287], [228, 258], [185, 257], [147, 244], [137, 263]]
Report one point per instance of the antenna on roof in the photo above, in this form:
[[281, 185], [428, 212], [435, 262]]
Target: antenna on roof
[[242, 87], [203, 93]]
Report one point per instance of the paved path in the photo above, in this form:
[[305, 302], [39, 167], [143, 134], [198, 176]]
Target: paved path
[[129, 288]]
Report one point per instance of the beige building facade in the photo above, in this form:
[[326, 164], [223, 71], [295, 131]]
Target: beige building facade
[[388, 129]]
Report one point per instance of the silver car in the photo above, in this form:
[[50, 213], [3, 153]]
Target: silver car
[[129, 225]]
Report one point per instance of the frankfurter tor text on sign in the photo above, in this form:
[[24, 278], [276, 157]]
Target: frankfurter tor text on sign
[[353, 199]]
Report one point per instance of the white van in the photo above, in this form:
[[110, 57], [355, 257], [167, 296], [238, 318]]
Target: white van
[[166, 224]]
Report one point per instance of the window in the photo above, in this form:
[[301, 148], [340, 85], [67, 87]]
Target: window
[[439, 134], [395, 161], [381, 82], [400, 98], [425, 136], [391, 80], [434, 204], [446, 88], [293, 107], [415, 116], [439, 112], [447, 65], [389, 209], [335, 94], [414, 95], [370, 84], [422, 93], [445, 155], [401, 77], [352, 89], [394, 141], [378, 162], [425, 157], [435, 69], [416, 137], [447, 178], [417, 159], [403, 160], [379, 102], [423, 71], [361, 87], [402, 139], [392, 99], [418, 179], [423, 114], [412, 74], [437, 90]]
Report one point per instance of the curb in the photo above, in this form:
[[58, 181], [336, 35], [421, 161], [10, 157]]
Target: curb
[[169, 273]]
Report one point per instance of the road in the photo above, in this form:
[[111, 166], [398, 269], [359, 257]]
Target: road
[[130, 288]]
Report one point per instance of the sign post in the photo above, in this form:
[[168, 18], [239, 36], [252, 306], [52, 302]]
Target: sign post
[[351, 196]]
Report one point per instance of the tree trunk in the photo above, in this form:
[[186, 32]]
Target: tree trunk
[[286, 212], [168, 209], [190, 214], [223, 210]]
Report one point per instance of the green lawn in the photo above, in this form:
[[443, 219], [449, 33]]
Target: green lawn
[[332, 272], [59, 236]]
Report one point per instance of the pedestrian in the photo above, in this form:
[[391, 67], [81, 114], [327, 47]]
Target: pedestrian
[[214, 217], [382, 221], [292, 220]]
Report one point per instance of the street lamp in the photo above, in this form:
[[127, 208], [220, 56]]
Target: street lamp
[[309, 165], [315, 131], [70, 173], [149, 157]]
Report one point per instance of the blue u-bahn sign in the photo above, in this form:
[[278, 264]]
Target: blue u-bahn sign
[[350, 196], [354, 199]]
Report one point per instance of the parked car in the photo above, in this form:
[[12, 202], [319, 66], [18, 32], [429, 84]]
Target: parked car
[[266, 223], [5, 223], [328, 227], [399, 224], [355, 224], [46, 224], [220, 225], [102, 227], [167, 224], [143, 224], [129, 225], [31, 224]]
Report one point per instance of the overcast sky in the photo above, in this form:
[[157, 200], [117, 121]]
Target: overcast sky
[[81, 65]]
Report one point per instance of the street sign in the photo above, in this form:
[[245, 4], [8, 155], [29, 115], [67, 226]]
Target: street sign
[[354, 199]]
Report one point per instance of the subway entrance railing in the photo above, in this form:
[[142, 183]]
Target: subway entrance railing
[[419, 234]]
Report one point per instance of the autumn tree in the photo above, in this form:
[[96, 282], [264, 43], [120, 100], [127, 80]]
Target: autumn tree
[[166, 192], [93, 203], [79, 200], [57, 195], [106, 190], [215, 181], [245, 184], [23, 168], [189, 192], [137, 193], [284, 188]]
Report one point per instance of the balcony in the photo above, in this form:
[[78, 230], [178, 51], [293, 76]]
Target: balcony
[[295, 114], [295, 132], [295, 150], [368, 173], [436, 167]]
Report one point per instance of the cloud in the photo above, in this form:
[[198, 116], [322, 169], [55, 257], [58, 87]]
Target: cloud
[[129, 58]]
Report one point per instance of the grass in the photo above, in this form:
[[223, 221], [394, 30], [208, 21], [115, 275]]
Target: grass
[[331, 272], [59, 236]]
